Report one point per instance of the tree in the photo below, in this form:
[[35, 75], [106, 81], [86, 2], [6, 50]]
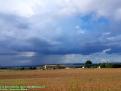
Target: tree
[[88, 63], [106, 65]]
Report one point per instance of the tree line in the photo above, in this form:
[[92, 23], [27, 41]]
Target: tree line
[[89, 64]]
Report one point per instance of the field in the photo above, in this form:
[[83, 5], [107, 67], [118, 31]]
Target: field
[[64, 80]]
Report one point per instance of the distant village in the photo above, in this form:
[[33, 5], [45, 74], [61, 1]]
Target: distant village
[[87, 64]]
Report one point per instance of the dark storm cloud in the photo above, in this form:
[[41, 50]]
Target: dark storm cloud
[[33, 31], [70, 41]]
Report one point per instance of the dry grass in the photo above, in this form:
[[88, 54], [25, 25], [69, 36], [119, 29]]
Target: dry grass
[[65, 80]]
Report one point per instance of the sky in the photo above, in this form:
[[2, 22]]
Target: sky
[[34, 32]]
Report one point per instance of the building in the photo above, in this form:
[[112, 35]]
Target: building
[[51, 67]]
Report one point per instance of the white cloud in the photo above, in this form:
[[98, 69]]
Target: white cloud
[[111, 38], [107, 33], [106, 50], [27, 54], [79, 30], [28, 8], [23, 8], [114, 38]]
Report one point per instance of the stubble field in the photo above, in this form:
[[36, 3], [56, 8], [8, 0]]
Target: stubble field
[[64, 80]]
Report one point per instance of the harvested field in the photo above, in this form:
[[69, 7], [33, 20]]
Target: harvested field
[[64, 80]]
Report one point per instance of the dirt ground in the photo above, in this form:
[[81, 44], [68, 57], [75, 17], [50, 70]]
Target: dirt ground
[[63, 80]]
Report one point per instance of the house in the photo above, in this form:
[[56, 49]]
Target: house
[[51, 67], [99, 67]]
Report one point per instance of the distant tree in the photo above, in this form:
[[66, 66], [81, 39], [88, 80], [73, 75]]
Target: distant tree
[[116, 65], [102, 65], [106, 65], [88, 63]]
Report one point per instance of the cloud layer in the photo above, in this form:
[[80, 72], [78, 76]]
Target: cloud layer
[[63, 30]]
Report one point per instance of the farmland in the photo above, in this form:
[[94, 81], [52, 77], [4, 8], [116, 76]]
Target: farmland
[[64, 80]]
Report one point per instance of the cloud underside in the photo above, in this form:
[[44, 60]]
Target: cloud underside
[[71, 29]]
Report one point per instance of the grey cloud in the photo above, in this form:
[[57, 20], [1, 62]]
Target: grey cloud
[[55, 30]]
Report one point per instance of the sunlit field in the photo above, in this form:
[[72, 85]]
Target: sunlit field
[[64, 80]]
